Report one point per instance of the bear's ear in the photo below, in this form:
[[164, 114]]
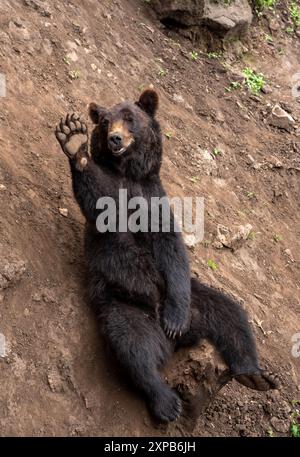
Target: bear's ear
[[95, 112], [148, 101]]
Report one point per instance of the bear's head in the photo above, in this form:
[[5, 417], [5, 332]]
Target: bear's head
[[127, 137]]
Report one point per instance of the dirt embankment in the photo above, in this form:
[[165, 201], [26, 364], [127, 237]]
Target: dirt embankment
[[58, 56]]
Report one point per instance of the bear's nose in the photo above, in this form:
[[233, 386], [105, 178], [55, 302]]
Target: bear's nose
[[115, 139]]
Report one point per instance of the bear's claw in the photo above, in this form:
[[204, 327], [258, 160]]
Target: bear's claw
[[263, 380], [173, 323], [168, 407]]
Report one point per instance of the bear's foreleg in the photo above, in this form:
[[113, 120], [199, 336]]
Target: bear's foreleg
[[172, 262], [89, 182]]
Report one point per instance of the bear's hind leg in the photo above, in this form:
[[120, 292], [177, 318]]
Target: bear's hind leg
[[223, 321], [141, 348]]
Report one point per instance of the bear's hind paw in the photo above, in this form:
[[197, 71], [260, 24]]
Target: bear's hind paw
[[263, 380]]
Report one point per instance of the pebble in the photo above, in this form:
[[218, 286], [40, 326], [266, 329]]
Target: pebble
[[72, 56], [279, 425], [281, 118]]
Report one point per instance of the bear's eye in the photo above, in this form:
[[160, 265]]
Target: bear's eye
[[129, 118], [105, 122]]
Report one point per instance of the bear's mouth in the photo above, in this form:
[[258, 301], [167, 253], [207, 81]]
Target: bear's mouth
[[118, 152]]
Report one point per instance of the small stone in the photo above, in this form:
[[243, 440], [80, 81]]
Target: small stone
[[220, 117], [36, 297], [2, 187], [178, 98], [281, 119], [267, 89], [55, 382], [63, 211], [72, 56], [279, 425], [93, 67], [190, 240]]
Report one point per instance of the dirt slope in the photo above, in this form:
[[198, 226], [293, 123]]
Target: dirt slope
[[59, 56]]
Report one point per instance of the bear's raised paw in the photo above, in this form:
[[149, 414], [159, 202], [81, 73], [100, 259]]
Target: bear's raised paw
[[72, 135]]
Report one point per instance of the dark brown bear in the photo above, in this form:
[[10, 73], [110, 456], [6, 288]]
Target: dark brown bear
[[139, 283]]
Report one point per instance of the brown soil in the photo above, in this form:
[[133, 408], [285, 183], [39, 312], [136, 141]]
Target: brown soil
[[55, 379]]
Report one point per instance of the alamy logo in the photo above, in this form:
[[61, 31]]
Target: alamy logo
[[296, 85], [2, 85], [138, 215], [2, 346], [296, 345]]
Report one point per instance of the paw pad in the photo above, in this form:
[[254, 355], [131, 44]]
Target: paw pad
[[72, 134]]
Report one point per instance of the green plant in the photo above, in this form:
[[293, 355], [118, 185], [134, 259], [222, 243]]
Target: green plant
[[295, 13], [281, 51], [295, 420], [234, 85], [212, 265], [194, 179], [66, 61], [168, 135], [277, 237], [194, 55], [263, 4], [214, 55], [268, 38], [251, 235], [216, 152], [162, 72], [74, 74], [254, 81], [290, 30]]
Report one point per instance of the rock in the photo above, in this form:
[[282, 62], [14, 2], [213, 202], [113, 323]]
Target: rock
[[190, 240], [47, 46], [178, 98], [4, 38], [54, 381], [232, 239], [206, 161], [234, 17], [279, 425], [198, 375], [266, 89], [2, 346], [11, 271], [63, 211], [220, 117], [72, 55], [273, 24], [17, 30], [281, 119]]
